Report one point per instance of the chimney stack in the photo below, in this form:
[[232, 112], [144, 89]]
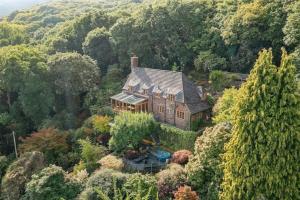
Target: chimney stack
[[134, 62]]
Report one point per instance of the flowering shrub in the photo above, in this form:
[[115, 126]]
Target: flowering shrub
[[181, 157], [112, 162], [169, 180], [185, 193]]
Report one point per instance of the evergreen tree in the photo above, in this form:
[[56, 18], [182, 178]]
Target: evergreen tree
[[262, 157]]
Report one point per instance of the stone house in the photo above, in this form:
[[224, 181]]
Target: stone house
[[169, 95]]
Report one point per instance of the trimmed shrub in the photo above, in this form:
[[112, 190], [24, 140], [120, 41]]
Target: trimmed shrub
[[130, 129], [112, 162], [181, 157], [49, 141], [186, 193], [51, 183], [19, 173], [139, 184], [102, 179], [204, 170], [169, 180], [176, 138]]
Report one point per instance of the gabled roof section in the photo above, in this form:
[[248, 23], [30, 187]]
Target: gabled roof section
[[164, 82]]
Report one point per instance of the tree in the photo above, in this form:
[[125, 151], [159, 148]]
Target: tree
[[255, 25], [12, 34], [130, 129], [51, 142], [261, 158], [19, 173], [24, 82], [72, 73], [291, 30], [204, 171], [208, 61], [51, 183], [223, 109], [98, 47]]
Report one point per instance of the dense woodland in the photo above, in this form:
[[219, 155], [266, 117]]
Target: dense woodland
[[61, 61]]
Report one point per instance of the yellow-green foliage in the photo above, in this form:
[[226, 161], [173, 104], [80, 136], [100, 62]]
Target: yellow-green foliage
[[101, 124], [203, 169], [130, 129], [262, 157], [177, 139], [224, 107]]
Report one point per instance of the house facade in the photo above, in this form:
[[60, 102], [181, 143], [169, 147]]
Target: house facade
[[170, 96]]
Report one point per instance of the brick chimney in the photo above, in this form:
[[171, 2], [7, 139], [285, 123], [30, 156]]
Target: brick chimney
[[134, 62]]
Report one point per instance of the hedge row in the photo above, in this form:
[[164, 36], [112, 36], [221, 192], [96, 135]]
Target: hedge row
[[177, 139]]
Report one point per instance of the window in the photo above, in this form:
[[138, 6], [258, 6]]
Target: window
[[171, 97], [145, 91], [157, 95], [130, 88], [180, 114], [161, 109]]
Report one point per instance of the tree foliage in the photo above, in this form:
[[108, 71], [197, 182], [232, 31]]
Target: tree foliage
[[51, 142], [51, 183], [19, 173], [223, 109], [129, 129], [204, 170], [261, 157], [12, 34]]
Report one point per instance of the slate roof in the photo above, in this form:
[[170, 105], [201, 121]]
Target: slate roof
[[167, 82]]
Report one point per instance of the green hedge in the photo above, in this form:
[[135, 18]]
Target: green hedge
[[176, 139]]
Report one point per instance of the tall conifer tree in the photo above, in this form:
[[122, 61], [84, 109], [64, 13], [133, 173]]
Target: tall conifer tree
[[262, 157]]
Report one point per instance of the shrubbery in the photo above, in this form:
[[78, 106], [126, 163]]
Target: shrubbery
[[52, 183], [130, 129], [181, 157], [143, 183], [204, 171], [19, 173], [186, 193], [90, 154], [169, 180], [103, 179], [112, 162], [51, 142], [176, 138]]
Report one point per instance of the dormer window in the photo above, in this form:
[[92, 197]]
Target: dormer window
[[145, 91], [171, 97], [130, 88]]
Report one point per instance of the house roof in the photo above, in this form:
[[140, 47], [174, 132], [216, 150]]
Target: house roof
[[127, 98], [166, 82]]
